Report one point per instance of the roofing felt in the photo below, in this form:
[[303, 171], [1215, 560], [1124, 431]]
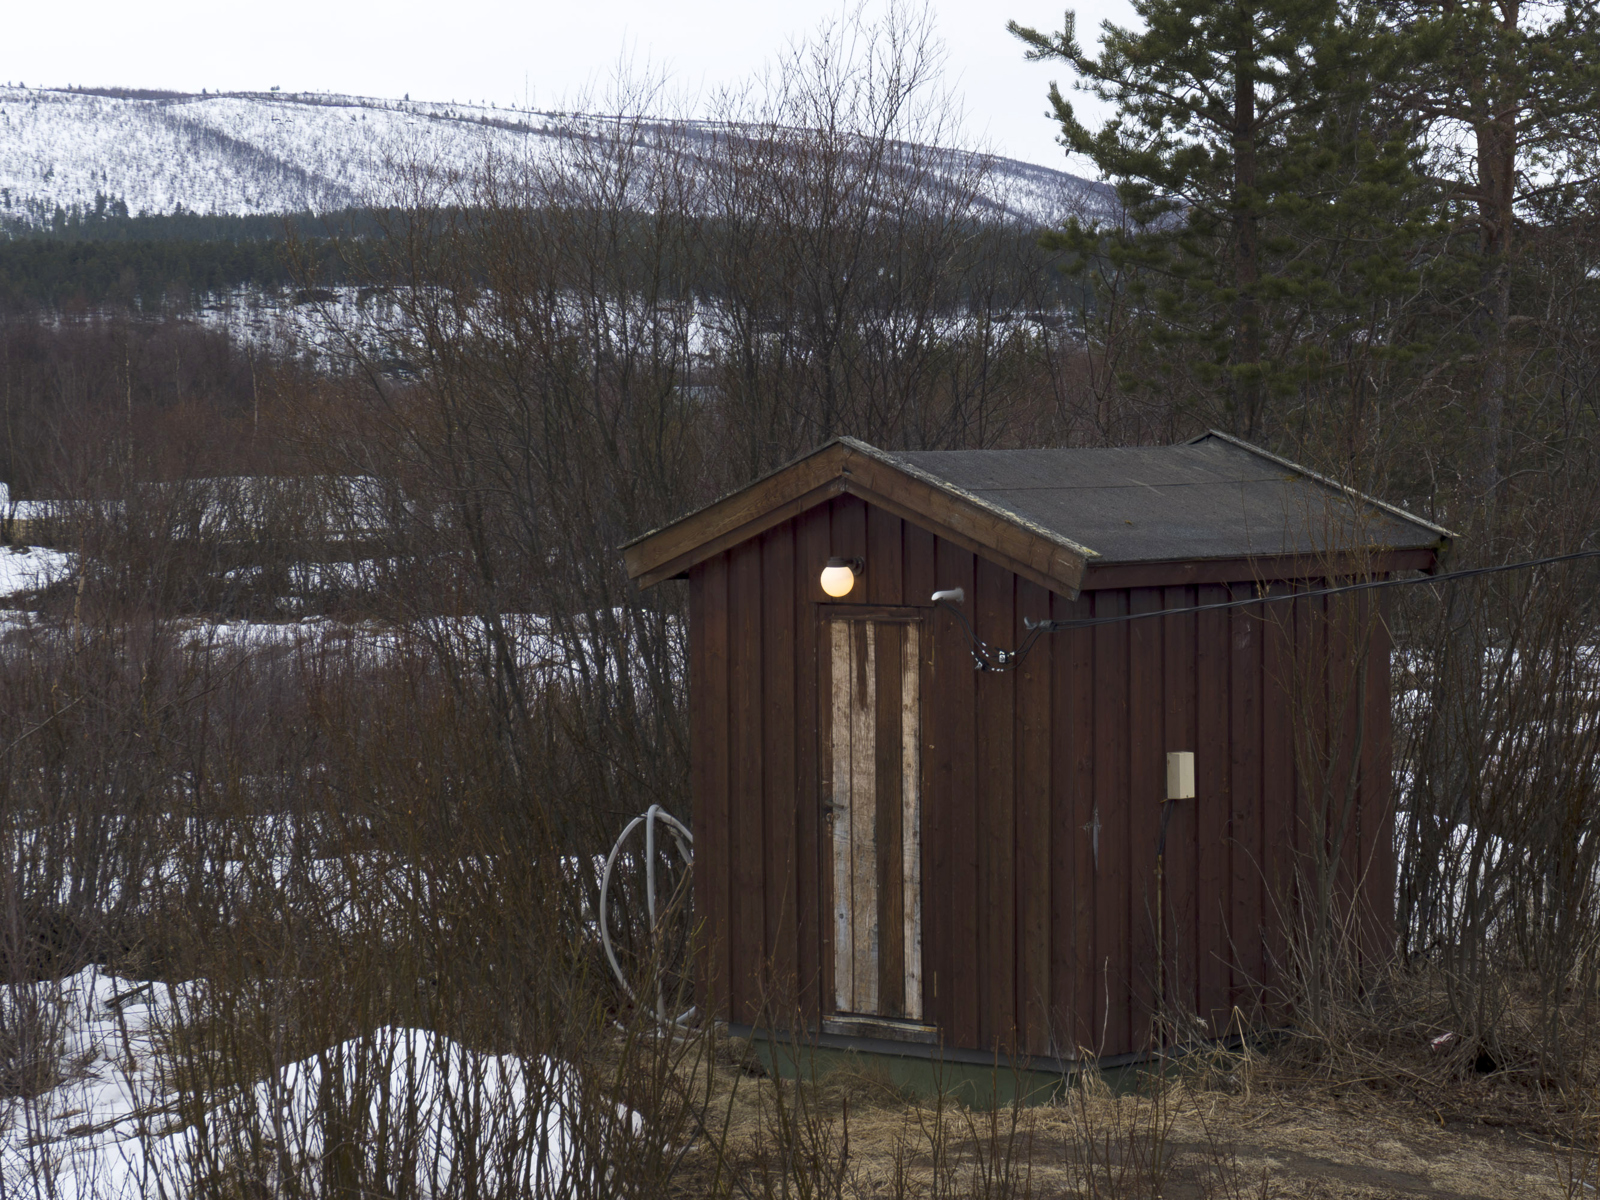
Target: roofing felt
[[1211, 498]]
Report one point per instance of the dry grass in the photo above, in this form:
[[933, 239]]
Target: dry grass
[[1252, 1125], [1312, 1143]]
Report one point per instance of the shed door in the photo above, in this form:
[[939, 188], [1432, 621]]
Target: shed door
[[876, 755]]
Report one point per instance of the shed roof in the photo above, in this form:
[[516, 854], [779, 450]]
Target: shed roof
[[1214, 497], [1051, 515]]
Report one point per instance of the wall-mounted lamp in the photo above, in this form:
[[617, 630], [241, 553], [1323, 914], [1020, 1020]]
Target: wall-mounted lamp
[[951, 596], [839, 576]]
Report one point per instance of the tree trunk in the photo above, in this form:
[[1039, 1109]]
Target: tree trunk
[[1496, 136], [1246, 268]]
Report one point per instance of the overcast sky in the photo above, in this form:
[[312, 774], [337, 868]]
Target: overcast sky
[[483, 50]]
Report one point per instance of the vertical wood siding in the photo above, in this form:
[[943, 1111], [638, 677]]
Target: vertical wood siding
[[1041, 788]]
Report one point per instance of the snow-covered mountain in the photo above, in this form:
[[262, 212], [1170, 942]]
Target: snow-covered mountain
[[269, 152]]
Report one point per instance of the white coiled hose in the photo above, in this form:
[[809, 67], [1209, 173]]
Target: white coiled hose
[[685, 840]]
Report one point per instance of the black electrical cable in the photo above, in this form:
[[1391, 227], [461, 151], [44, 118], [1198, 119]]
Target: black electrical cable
[[986, 656], [990, 659]]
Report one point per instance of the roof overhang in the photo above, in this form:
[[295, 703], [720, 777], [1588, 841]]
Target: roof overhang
[[846, 466], [1262, 568], [1444, 538], [997, 532]]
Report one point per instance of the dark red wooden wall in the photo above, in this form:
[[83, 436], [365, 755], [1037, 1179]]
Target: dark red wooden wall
[[1029, 942]]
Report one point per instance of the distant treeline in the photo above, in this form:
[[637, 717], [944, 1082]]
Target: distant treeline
[[50, 273], [95, 258], [107, 220], [90, 258]]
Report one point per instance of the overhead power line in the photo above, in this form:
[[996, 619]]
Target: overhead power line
[[990, 658]]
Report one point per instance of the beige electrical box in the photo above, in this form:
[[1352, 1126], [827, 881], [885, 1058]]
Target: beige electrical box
[[1180, 775]]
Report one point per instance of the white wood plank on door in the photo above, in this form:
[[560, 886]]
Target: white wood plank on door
[[843, 672], [911, 815], [864, 816]]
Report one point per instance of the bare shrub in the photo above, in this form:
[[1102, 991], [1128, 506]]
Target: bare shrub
[[1500, 858], [31, 1043]]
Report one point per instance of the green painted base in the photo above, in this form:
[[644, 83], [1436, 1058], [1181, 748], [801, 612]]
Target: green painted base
[[978, 1087]]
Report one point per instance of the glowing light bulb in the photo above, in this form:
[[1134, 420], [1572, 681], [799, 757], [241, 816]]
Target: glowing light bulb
[[839, 577]]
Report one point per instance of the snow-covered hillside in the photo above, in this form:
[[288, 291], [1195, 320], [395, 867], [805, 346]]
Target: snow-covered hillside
[[242, 153]]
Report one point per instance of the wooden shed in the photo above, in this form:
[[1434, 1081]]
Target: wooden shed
[[905, 853]]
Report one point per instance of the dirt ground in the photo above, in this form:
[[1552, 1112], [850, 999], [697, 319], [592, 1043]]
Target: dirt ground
[[1225, 1134], [1274, 1146]]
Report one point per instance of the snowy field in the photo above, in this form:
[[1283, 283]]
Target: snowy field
[[243, 153], [111, 1127], [23, 570], [349, 322], [103, 1129]]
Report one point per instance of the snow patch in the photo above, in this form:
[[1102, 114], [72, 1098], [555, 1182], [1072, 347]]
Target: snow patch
[[112, 1129], [23, 569]]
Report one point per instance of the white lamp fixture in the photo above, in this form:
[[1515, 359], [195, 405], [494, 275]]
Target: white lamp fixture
[[839, 576]]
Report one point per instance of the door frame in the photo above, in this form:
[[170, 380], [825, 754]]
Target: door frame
[[914, 774]]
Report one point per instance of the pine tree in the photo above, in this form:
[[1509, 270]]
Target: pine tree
[[1262, 192], [1508, 94]]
